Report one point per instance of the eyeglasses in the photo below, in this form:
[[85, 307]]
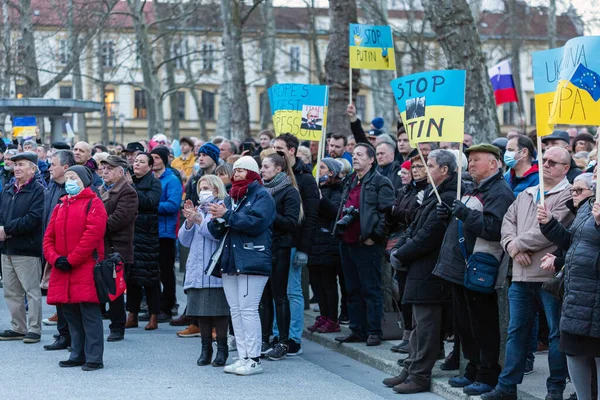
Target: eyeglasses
[[551, 163], [577, 191], [417, 166]]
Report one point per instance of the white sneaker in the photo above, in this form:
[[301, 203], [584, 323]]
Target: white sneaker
[[231, 368], [251, 367], [231, 343]]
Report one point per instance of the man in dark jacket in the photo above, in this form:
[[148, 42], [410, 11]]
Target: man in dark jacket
[[561, 139], [21, 212], [363, 241], [121, 203], [480, 211], [418, 252], [298, 280], [61, 162]]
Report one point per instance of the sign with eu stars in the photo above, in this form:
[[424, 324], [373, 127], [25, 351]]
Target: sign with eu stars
[[587, 80]]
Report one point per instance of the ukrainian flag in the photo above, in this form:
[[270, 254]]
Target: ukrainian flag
[[371, 47]]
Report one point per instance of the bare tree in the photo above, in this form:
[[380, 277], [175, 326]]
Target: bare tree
[[267, 49], [341, 14], [313, 37], [552, 24], [454, 26]]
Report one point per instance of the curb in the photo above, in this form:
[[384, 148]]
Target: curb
[[381, 358]]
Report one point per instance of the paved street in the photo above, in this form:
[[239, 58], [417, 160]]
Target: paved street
[[153, 365]]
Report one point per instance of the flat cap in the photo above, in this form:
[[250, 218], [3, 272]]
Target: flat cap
[[115, 161], [557, 135], [484, 148], [29, 156]]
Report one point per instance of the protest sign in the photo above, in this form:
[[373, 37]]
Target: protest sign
[[546, 70], [573, 76], [432, 105], [299, 109], [371, 47], [24, 127]]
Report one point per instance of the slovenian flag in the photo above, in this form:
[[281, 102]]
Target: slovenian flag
[[503, 83]]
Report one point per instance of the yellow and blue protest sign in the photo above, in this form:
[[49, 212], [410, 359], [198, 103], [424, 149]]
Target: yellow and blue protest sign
[[432, 105], [24, 126], [371, 47], [576, 75], [299, 109], [546, 72]]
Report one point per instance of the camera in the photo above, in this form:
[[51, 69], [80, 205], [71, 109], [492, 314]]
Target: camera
[[350, 215], [220, 225]]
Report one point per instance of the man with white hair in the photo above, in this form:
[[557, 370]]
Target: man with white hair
[[474, 225], [21, 214]]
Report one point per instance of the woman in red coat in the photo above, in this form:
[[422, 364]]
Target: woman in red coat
[[75, 232]]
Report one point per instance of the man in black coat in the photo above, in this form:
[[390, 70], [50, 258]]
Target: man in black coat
[[21, 212], [364, 236], [418, 251], [60, 163], [298, 281]]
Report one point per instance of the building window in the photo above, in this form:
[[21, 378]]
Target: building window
[[66, 92], [295, 59], [181, 105], [532, 120], [361, 107], [109, 97], [208, 105], [20, 51], [139, 110], [108, 53], [207, 57], [20, 91], [64, 51], [177, 54], [508, 113], [264, 102]]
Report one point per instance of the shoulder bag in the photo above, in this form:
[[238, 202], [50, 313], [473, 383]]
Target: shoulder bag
[[481, 269]]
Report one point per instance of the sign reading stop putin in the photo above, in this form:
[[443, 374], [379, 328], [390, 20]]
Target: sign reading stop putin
[[371, 47]]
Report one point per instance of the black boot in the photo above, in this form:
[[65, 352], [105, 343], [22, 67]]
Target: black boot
[[206, 355], [222, 352]]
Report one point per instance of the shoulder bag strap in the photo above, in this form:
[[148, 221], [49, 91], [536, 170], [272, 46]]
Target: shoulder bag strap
[[461, 241]]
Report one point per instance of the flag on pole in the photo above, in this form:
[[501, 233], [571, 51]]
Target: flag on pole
[[503, 83]]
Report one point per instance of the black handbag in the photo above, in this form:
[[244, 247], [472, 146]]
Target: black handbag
[[392, 325], [556, 286], [481, 270]]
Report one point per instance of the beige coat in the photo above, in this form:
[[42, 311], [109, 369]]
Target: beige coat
[[521, 229]]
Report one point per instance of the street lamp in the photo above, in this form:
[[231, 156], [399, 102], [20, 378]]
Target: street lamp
[[114, 109], [122, 121]]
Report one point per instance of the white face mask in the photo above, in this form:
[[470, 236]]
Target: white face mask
[[205, 196]]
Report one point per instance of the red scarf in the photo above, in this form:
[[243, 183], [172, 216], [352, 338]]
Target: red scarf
[[239, 188]]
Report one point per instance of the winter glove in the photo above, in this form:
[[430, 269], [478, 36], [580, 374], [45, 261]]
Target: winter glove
[[459, 210], [444, 212], [62, 264], [300, 259]]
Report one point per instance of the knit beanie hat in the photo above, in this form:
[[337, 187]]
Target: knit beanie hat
[[378, 123], [406, 165], [334, 165], [163, 153], [84, 173], [210, 150], [247, 163]]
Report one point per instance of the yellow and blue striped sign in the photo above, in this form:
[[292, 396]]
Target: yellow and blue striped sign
[[299, 109], [432, 105], [24, 126], [371, 47]]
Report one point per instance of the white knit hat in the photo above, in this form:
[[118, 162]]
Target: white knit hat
[[248, 163]]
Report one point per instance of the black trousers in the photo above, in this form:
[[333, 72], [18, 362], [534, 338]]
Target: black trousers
[[323, 279], [116, 311], [85, 325], [62, 326], [166, 260], [276, 291], [478, 326], [134, 298]]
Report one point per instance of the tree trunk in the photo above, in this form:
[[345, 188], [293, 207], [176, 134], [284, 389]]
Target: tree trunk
[[453, 24], [173, 96], [267, 48], [191, 81], [314, 43], [77, 80], [28, 51], [224, 117], [516, 43], [156, 122], [234, 56], [341, 14], [104, 139], [552, 24]]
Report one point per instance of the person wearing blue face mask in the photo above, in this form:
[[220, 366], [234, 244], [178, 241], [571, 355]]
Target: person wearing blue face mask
[[324, 261], [523, 170]]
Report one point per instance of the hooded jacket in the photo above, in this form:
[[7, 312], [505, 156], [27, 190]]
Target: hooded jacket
[[530, 178], [521, 229], [488, 202], [168, 207], [76, 231]]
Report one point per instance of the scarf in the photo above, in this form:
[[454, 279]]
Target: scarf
[[279, 182], [240, 188]]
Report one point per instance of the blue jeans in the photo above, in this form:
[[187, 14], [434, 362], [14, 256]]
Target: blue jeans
[[296, 298], [362, 271], [522, 297]]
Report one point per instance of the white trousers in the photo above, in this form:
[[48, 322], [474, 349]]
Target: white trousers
[[243, 294]]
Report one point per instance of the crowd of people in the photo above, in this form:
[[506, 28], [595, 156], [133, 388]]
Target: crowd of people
[[256, 229]]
